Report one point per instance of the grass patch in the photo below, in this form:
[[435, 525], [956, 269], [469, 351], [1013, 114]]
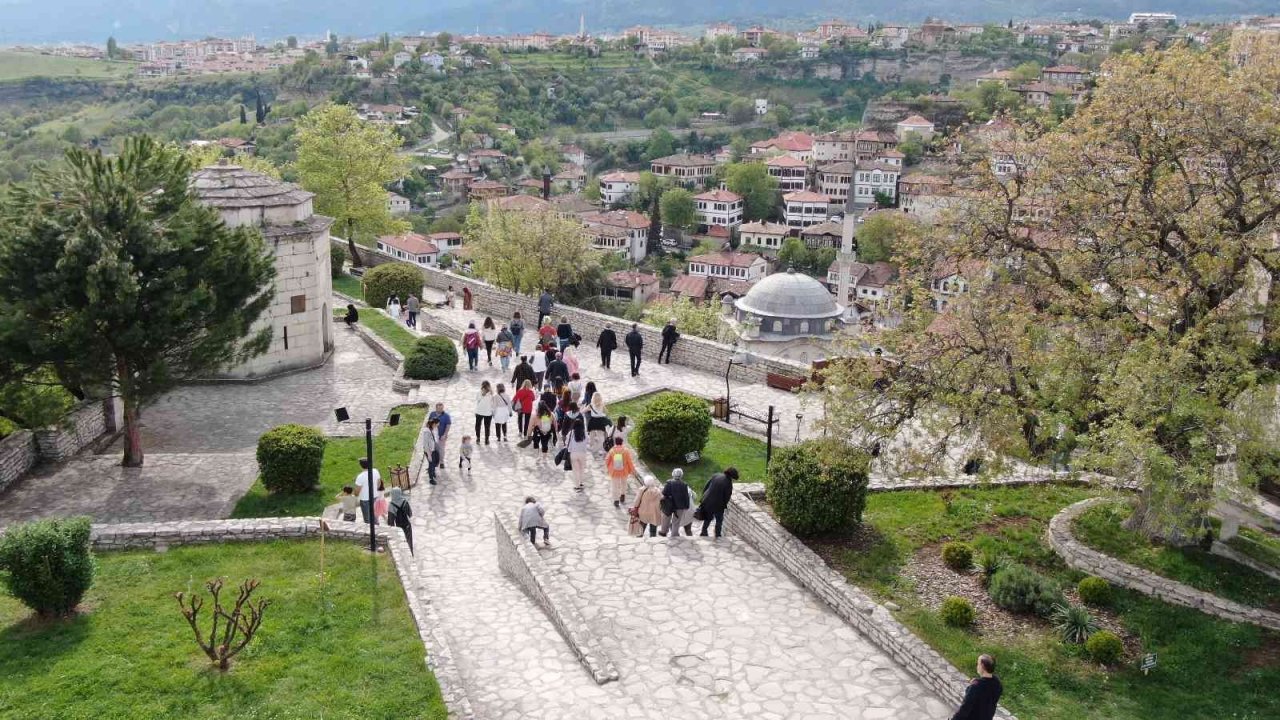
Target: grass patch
[[349, 285], [724, 448], [393, 446], [353, 652], [16, 65], [1263, 547], [396, 334], [1099, 528]]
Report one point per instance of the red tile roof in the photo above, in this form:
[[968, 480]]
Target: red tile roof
[[412, 243], [521, 203], [916, 121], [786, 161], [730, 259], [631, 279], [690, 286], [629, 219], [717, 195], [805, 196], [620, 176]]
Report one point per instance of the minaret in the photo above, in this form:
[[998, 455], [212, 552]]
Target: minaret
[[846, 257], [582, 26]]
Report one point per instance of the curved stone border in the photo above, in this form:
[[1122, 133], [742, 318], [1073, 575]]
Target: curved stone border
[[1084, 558], [439, 659], [521, 563]]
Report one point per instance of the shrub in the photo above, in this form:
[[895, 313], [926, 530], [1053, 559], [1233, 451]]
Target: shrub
[[381, 282], [433, 357], [1021, 589], [1073, 623], [671, 426], [47, 564], [1094, 591], [818, 486], [1104, 647], [958, 556], [988, 563], [957, 612], [336, 261], [289, 458]]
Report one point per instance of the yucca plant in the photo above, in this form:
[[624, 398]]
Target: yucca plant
[[1074, 623], [988, 563]]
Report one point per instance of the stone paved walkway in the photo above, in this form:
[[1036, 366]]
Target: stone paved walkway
[[698, 628]]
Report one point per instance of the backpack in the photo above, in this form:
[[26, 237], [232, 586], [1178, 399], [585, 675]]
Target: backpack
[[619, 462], [471, 341]]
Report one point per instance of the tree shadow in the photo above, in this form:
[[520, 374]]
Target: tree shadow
[[28, 646]]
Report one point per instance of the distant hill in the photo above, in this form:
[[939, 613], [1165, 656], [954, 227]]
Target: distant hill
[[40, 21]]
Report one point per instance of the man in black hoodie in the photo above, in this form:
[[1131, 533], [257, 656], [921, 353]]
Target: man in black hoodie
[[607, 342], [635, 343], [557, 372], [524, 371], [715, 498], [669, 337], [983, 694]]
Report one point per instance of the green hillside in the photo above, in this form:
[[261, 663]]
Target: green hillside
[[15, 65]]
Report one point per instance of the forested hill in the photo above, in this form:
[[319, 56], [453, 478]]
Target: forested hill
[[30, 21]]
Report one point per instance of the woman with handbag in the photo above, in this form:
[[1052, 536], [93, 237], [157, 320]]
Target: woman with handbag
[[647, 509], [620, 465], [501, 413], [505, 347], [575, 441], [398, 514]]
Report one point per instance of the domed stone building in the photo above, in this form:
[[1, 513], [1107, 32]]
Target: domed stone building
[[788, 315], [300, 317]]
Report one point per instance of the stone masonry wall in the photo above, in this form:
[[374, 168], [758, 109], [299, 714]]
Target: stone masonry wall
[[78, 428], [748, 520], [520, 562], [1117, 572], [18, 454]]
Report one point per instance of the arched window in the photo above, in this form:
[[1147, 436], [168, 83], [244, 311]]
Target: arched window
[[804, 326], [777, 326]]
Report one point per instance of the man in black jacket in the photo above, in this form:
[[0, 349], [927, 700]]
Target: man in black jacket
[[715, 498], [607, 342], [557, 372], [524, 371], [983, 694], [675, 505], [635, 343], [669, 337], [564, 333]]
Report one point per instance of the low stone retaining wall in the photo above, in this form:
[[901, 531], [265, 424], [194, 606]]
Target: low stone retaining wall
[[749, 521], [18, 454], [520, 561], [77, 429], [1084, 558], [879, 483], [1234, 555], [439, 659]]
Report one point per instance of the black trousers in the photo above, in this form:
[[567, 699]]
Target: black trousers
[[635, 361], [541, 439], [500, 430], [522, 423], [533, 534], [666, 348], [488, 351], [487, 422], [604, 357], [718, 517]]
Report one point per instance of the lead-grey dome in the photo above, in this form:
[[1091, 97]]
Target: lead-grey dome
[[789, 295], [227, 186]]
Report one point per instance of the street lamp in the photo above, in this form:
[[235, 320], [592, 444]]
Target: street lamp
[[393, 420]]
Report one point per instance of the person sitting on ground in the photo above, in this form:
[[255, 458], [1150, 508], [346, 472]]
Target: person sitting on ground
[[982, 697], [352, 317]]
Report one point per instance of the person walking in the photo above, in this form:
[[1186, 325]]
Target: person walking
[[523, 402], [367, 488], [635, 343], [411, 306], [669, 337], [431, 448], [546, 333], [597, 416], [393, 307], [471, 343], [982, 697], [488, 333], [545, 303], [532, 518], [677, 506], [516, 326], [504, 346], [557, 371], [571, 361], [501, 412], [352, 317], [575, 441], [466, 298], [543, 427], [448, 297], [648, 507], [607, 342], [538, 364], [484, 411], [398, 514], [524, 371], [620, 465], [564, 334], [715, 498], [445, 422]]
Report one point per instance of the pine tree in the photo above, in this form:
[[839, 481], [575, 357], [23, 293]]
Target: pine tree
[[244, 119]]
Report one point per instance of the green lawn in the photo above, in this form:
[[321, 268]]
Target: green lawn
[[393, 446], [1099, 527], [351, 652], [396, 334], [15, 65], [724, 448], [1263, 547], [349, 285]]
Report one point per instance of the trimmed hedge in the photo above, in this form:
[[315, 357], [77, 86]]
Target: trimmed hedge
[[957, 612], [818, 486], [958, 556], [47, 564], [433, 357], [1104, 647], [1021, 589], [381, 282], [1094, 591], [289, 458], [672, 426]]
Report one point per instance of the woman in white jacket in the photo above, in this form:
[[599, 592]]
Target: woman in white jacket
[[501, 413], [484, 411]]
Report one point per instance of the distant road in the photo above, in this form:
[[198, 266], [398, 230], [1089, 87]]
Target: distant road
[[644, 133]]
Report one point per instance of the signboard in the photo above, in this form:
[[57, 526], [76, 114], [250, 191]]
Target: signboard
[[692, 457], [1148, 662]]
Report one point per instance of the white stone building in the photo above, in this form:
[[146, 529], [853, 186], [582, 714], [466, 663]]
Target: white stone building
[[397, 204], [618, 187], [869, 179], [788, 315], [763, 234], [410, 247], [299, 316], [718, 207], [805, 208]]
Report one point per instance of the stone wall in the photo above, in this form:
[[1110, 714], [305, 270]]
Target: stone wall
[[749, 521], [1117, 572], [521, 563], [77, 429], [18, 454], [439, 658]]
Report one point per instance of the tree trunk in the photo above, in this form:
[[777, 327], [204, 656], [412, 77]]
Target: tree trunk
[[1170, 517], [132, 416], [351, 246]]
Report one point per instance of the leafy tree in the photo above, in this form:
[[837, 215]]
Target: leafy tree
[[1124, 292], [912, 148], [677, 208], [1026, 72], [657, 118], [32, 401], [661, 144], [528, 251], [880, 234], [741, 111], [291, 42], [592, 190], [244, 116], [443, 40], [759, 189], [882, 198], [113, 49], [739, 147], [346, 163], [331, 46], [702, 321], [113, 275], [210, 154], [793, 253]]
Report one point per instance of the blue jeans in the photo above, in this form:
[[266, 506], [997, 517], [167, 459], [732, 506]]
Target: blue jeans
[[515, 340], [473, 358], [364, 511]]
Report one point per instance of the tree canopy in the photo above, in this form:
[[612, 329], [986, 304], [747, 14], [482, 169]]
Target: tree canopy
[[529, 251], [759, 189], [677, 208]]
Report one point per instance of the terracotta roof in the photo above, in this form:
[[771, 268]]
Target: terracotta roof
[[838, 168], [731, 259], [892, 153], [691, 286], [718, 231], [631, 279], [805, 196], [876, 136], [445, 236], [620, 176], [485, 152], [718, 195], [923, 179], [487, 185], [457, 174], [789, 161], [573, 204], [1037, 87], [521, 203], [763, 227], [684, 160], [571, 172], [916, 121], [1065, 69], [877, 274], [787, 142], [412, 243], [629, 219], [967, 269], [830, 227]]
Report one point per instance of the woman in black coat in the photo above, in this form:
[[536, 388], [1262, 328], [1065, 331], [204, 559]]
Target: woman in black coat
[[715, 498]]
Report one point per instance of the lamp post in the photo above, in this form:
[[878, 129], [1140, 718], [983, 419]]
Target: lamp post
[[393, 420], [737, 357]]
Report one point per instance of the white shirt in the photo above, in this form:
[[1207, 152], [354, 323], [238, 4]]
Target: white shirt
[[501, 408], [362, 481], [539, 361], [484, 404]]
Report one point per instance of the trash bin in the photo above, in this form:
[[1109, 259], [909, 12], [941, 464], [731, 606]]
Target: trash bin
[[720, 408]]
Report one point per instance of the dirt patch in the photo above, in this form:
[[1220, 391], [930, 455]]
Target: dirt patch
[[861, 539], [1265, 656]]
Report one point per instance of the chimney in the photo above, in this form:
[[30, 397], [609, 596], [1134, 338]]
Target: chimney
[[546, 184]]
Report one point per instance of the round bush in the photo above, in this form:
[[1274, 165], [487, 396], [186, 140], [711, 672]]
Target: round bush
[[47, 564], [957, 612], [958, 556], [1021, 589], [671, 426], [289, 458], [381, 282], [818, 486], [1104, 647], [1094, 591], [433, 357]]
